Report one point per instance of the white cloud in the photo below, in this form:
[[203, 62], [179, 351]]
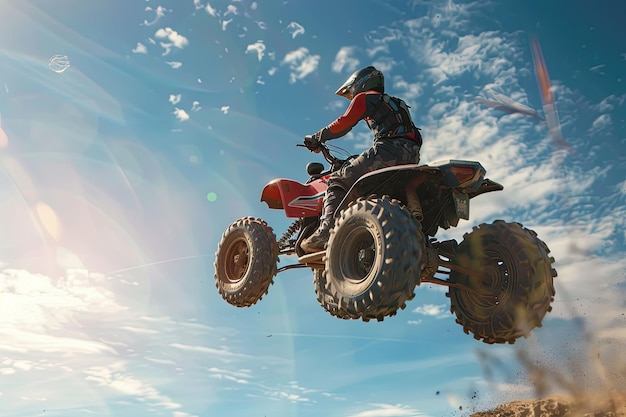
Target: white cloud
[[608, 103], [159, 13], [225, 109], [301, 63], [25, 342], [175, 39], [295, 398], [450, 54], [380, 38], [598, 69], [115, 377], [210, 10], [174, 64], [225, 24], [433, 310], [142, 330], [241, 373], [258, 48], [295, 29], [387, 410], [222, 353], [385, 63], [34, 302], [85, 349], [181, 114], [377, 49], [410, 92], [55, 329], [337, 105], [600, 124], [345, 59], [175, 98], [238, 377], [292, 392], [472, 53], [140, 49], [39, 314], [231, 9]]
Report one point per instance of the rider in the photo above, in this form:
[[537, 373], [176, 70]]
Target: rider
[[396, 141]]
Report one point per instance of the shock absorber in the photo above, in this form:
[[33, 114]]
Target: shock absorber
[[291, 230]]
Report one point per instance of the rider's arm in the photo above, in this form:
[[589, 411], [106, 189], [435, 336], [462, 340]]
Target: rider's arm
[[355, 112]]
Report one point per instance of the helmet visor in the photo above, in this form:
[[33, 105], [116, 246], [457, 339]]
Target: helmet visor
[[347, 89]]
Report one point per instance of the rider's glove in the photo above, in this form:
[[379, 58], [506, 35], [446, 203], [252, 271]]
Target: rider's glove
[[313, 142]]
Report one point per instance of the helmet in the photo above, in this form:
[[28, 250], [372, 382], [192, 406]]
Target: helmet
[[368, 78]]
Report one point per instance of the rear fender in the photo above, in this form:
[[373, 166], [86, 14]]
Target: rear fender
[[466, 177], [390, 181], [487, 186], [298, 200]]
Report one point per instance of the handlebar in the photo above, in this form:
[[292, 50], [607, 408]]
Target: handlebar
[[328, 156]]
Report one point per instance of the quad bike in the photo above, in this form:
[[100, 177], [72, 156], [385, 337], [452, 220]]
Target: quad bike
[[382, 245]]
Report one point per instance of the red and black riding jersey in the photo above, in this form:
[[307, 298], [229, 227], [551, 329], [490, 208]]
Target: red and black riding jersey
[[386, 116]]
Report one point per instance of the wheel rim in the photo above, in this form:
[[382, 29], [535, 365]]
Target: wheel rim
[[237, 260], [490, 283], [358, 255]]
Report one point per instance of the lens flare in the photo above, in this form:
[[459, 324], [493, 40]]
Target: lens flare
[[547, 99], [48, 219], [4, 139], [59, 63]]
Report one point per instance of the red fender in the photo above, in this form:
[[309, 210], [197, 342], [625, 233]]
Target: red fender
[[298, 200]]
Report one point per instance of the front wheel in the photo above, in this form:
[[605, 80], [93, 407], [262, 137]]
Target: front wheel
[[506, 282], [245, 261], [373, 261]]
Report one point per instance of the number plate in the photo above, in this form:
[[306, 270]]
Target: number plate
[[461, 203]]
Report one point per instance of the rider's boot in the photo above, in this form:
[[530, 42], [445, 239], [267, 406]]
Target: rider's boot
[[318, 240]]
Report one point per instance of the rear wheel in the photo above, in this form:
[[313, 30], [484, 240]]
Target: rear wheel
[[324, 297], [507, 275], [373, 261], [245, 261]]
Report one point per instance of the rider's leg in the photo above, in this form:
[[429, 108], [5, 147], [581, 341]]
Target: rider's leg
[[380, 155], [317, 241], [338, 184]]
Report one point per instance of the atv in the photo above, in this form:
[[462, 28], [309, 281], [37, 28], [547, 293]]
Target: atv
[[383, 244]]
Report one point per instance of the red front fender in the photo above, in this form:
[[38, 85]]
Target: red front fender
[[298, 200]]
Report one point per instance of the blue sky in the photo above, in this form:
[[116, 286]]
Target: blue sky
[[107, 159]]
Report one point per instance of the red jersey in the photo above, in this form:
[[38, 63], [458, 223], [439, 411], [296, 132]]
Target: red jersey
[[387, 117]]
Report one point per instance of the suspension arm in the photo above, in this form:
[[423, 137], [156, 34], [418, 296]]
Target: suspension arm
[[438, 281], [294, 266], [455, 267]]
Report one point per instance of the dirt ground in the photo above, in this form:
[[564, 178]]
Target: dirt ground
[[601, 404]]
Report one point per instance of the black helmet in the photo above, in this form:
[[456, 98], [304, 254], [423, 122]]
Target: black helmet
[[368, 78]]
